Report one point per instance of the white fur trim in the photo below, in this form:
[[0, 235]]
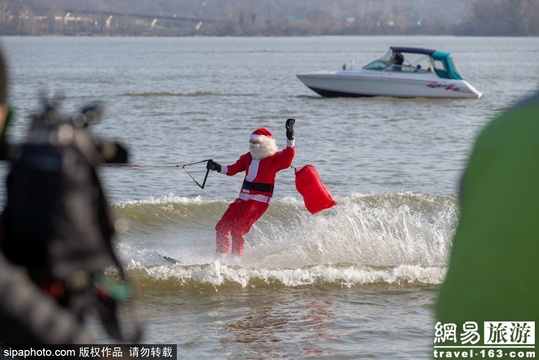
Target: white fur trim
[[255, 137]]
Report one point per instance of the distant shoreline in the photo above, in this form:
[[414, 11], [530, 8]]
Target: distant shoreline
[[264, 36]]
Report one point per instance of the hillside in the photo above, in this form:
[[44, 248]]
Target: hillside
[[269, 17]]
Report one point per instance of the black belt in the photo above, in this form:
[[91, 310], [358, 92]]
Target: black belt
[[248, 185]]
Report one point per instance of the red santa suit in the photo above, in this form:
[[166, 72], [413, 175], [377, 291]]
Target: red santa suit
[[261, 165]]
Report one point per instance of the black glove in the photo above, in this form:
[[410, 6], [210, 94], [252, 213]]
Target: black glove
[[290, 128], [212, 165]]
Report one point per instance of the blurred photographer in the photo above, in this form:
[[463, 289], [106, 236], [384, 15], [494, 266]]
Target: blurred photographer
[[57, 230], [26, 314]]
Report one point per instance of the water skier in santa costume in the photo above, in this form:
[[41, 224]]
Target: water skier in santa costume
[[261, 165]]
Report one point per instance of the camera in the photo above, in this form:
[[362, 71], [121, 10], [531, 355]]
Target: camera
[[57, 223]]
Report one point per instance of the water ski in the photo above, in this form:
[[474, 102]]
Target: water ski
[[172, 260]]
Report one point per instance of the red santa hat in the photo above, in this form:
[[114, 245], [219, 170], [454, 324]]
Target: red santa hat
[[261, 134]]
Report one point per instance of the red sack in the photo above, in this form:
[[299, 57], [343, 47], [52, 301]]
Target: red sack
[[315, 195]]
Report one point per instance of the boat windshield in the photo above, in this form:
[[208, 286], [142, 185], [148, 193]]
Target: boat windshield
[[394, 61], [416, 60], [381, 63], [377, 65]]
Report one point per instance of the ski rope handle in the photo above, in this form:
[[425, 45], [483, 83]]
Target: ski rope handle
[[205, 177]]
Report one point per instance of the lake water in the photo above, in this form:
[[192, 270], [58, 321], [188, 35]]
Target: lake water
[[355, 281]]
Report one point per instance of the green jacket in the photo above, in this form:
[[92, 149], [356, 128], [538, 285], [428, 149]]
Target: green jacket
[[493, 272]]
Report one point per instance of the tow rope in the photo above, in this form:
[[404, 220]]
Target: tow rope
[[168, 166]]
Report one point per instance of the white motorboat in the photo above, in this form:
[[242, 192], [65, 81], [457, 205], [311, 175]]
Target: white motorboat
[[403, 72]]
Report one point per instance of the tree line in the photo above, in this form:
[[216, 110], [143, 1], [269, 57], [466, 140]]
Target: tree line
[[270, 17]]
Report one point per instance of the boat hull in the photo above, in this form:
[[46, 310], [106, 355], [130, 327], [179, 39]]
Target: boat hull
[[361, 83]]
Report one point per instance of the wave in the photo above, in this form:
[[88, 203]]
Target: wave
[[366, 239], [171, 209], [222, 276]]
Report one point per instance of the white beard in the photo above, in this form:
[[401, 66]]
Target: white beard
[[267, 147]]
